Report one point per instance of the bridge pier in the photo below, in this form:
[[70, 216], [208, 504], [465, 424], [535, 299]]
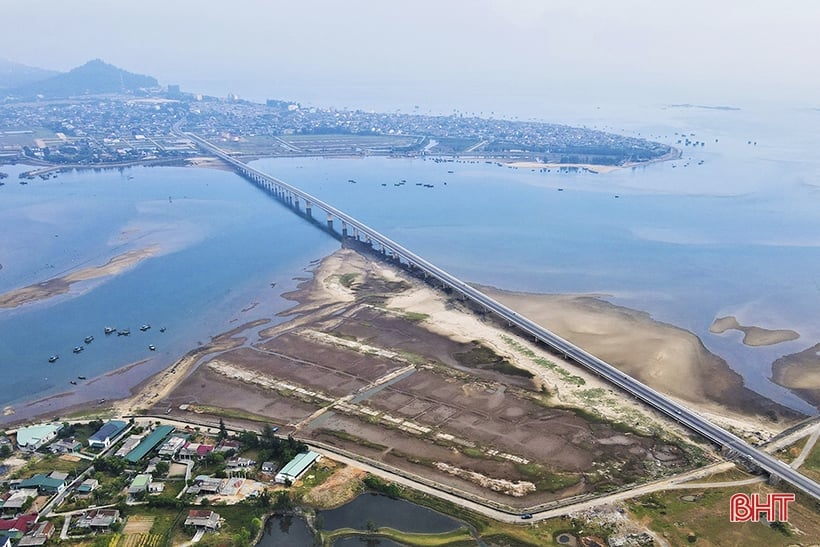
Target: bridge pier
[[344, 229], [330, 222], [308, 210]]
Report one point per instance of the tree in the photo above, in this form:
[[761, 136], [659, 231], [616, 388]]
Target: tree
[[162, 468], [223, 432], [5, 451]]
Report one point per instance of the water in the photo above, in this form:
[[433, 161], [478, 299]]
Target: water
[[221, 244], [381, 511], [735, 235], [286, 531]]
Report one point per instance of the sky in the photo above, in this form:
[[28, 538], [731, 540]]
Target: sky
[[503, 55]]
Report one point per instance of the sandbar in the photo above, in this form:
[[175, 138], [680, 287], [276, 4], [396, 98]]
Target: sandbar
[[800, 373], [61, 285], [753, 336]]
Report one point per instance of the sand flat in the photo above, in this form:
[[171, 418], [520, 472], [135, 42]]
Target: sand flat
[[61, 285], [752, 335]]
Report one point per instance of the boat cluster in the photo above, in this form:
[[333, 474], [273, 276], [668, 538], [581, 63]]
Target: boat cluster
[[107, 330]]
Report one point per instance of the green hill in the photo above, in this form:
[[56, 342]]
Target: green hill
[[93, 78]]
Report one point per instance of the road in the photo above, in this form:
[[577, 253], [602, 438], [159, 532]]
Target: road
[[640, 391]]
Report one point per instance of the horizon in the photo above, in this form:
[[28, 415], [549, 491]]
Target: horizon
[[486, 56]]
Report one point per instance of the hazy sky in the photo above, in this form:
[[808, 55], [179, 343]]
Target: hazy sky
[[470, 53]]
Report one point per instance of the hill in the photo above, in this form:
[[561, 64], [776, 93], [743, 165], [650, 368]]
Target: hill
[[94, 77], [14, 75]]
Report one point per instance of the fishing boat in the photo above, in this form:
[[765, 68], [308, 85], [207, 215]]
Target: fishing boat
[[109, 330], [53, 358], [88, 339], [78, 349]]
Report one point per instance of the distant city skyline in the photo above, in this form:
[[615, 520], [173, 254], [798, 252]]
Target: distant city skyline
[[478, 54]]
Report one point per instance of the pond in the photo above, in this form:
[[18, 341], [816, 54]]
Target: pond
[[379, 511], [286, 531]]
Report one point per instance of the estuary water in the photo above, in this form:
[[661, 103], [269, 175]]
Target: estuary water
[[731, 228]]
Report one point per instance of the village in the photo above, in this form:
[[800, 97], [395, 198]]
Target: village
[[93, 480]]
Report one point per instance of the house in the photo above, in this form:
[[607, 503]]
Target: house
[[268, 467], [140, 483], [204, 484], [239, 463], [16, 528], [12, 503], [97, 519], [45, 484], [156, 487], [204, 519], [130, 444], [5, 541], [195, 451], [88, 486], [106, 434], [296, 467], [33, 437], [38, 535], [65, 446], [170, 447]]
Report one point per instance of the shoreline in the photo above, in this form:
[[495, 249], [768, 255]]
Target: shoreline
[[663, 356]]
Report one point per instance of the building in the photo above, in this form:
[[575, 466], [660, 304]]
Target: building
[[130, 444], [12, 502], [45, 484], [140, 483], [156, 487], [170, 447], [33, 437], [204, 519], [38, 535], [195, 451], [106, 434], [5, 541], [88, 486], [16, 528], [149, 443], [296, 467], [205, 485], [268, 467], [98, 519], [65, 446]]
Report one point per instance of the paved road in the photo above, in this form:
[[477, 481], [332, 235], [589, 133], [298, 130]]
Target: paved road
[[660, 402]]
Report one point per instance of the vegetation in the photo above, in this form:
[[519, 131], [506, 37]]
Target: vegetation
[[480, 356]]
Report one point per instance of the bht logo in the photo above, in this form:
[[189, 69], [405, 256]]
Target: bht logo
[[746, 507]]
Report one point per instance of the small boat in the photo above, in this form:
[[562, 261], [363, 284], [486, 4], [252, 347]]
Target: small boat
[[53, 358], [73, 383], [124, 332], [78, 349], [152, 347], [100, 401], [88, 339], [145, 328], [81, 377], [109, 330], [163, 328]]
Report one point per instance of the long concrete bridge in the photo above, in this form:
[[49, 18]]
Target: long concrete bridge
[[307, 205]]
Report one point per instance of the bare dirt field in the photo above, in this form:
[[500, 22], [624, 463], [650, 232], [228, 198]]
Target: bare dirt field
[[354, 372]]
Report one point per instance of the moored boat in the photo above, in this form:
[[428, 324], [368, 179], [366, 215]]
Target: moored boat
[[53, 358]]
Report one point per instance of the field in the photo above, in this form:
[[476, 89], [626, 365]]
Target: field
[[378, 382]]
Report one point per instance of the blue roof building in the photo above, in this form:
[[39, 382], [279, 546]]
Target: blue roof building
[[105, 435]]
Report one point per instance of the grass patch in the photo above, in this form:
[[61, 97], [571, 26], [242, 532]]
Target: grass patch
[[345, 436], [346, 280], [482, 357], [811, 467], [416, 317], [544, 479], [47, 464], [546, 363], [707, 518], [405, 538]]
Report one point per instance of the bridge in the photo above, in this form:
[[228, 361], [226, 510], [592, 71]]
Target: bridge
[[305, 204]]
